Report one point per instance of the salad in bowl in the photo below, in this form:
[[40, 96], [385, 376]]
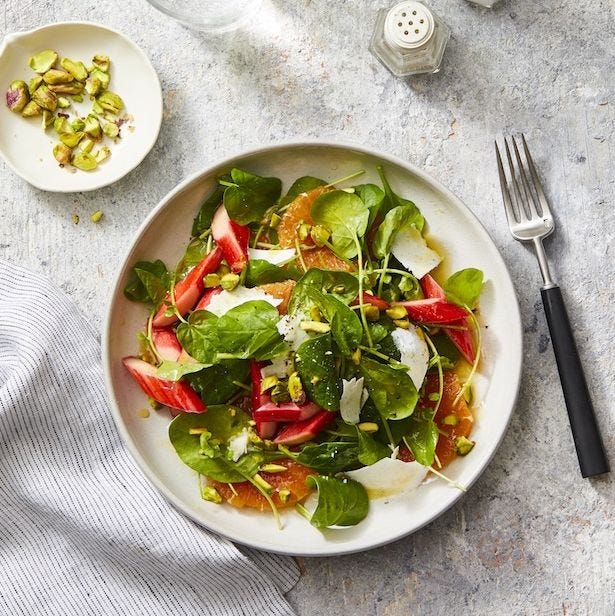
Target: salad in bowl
[[306, 348]]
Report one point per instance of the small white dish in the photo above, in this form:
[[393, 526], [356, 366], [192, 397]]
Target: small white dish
[[27, 149], [465, 243]]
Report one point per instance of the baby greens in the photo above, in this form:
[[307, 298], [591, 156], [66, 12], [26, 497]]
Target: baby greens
[[341, 502], [464, 287], [149, 282], [249, 196]]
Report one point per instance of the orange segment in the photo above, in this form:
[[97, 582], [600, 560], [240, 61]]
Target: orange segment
[[280, 290], [298, 211], [323, 258], [248, 496], [445, 450]]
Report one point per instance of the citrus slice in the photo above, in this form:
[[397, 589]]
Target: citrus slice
[[280, 290], [298, 211]]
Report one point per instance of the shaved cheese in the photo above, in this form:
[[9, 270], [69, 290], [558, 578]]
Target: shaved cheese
[[275, 257], [238, 444], [279, 367], [410, 248], [290, 330], [389, 476], [226, 300], [414, 352], [351, 400]]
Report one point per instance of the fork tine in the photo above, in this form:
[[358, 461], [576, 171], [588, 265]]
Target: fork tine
[[544, 204], [510, 213], [523, 214], [529, 195]]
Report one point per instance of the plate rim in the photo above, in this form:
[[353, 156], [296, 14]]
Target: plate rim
[[336, 549], [11, 37]]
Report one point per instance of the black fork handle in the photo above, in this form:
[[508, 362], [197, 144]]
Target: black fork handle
[[585, 431]]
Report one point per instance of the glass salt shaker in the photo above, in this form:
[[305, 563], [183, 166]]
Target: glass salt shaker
[[409, 39]]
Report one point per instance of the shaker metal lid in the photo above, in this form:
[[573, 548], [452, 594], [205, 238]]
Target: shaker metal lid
[[408, 25]]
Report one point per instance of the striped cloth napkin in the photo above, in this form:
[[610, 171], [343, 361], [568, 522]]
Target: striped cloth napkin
[[81, 530]]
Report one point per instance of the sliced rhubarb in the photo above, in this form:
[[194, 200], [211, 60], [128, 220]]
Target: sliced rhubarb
[[433, 310], [232, 239], [302, 431], [287, 411], [368, 298], [461, 338], [166, 343], [175, 394], [265, 429], [188, 290], [207, 297]]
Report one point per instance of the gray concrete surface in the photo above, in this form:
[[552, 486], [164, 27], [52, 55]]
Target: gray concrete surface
[[531, 537]]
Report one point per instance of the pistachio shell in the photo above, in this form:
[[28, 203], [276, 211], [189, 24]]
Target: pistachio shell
[[43, 60]]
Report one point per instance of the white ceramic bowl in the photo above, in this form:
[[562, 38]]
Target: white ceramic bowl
[[164, 235], [27, 149]]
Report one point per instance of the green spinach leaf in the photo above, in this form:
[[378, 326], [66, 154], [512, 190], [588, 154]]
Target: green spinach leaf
[[208, 209], [301, 185], [217, 384], [174, 370], [331, 457], [392, 200], [249, 196], [341, 285], [260, 272], [341, 502], [345, 215], [464, 287], [316, 366], [370, 450], [395, 220], [422, 437], [198, 336], [149, 282], [392, 391], [373, 197]]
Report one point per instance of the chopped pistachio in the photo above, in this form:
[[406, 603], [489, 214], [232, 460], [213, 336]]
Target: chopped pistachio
[[111, 129], [468, 395], [92, 128], [261, 483], [54, 76], [62, 153], [102, 77], [211, 280], [31, 110], [47, 119], [280, 392], [34, 83], [368, 426], [315, 314], [76, 69], [315, 379], [371, 312], [96, 216], [84, 161], [319, 235], [304, 231], [71, 139], [396, 312], [86, 144], [63, 102], [229, 281], [295, 388], [62, 125], [17, 96], [268, 382], [450, 420], [75, 219], [154, 404], [102, 62], [143, 413], [77, 124], [284, 494], [463, 445], [339, 288], [102, 154], [43, 61], [356, 356], [93, 86], [78, 98], [110, 101], [315, 326], [210, 494], [96, 108], [275, 221], [273, 468], [45, 98], [403, 323], [67, 88]]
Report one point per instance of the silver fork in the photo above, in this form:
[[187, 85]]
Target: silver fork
[[530, 220]]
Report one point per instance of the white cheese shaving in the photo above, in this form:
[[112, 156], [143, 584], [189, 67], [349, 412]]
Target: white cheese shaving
[[351, 400], [238, 444], [275, 257], [414, 352], [290, 330], [279, 367], [389, 476], [224, 301], [411, 249]]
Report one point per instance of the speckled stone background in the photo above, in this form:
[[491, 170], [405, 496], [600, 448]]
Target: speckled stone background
[[531, 537]]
